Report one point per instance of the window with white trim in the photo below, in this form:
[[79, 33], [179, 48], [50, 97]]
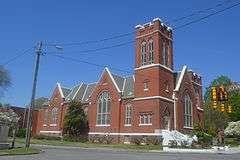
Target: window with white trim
[[45, 121], [187, 111], [143, 53], [145, 85], [54, 115], [145, 119], [128, 114], [103, 109], [151, 52]]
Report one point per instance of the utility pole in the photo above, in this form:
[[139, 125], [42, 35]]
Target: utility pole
[[32, 105]]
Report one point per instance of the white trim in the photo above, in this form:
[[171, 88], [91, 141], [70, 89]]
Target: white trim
[[103, 125], [60, 89], [147, 124], [50, 131], [175, 110], [124, 83], [53, 125], [180, 78], [127, 125], [187, 127], [77, 91], [153, 97], [125, 134], [154, 65], [133, 78], [201, 109], [197, 83], [115, 84], [44, 125]]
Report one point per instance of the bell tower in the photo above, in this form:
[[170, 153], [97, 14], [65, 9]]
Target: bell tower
[[153, 59]]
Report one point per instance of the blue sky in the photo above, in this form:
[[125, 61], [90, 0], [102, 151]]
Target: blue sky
[[210, 48]]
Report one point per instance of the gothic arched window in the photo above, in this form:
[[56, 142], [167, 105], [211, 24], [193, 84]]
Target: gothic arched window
[[151, 51], [187, 111], [103, 109], [54, 115], [128, 114], [165, 53], [46, 117], [143, 53]]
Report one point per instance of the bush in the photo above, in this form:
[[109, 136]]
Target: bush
[[204, 139], [21, 133], [41, 137], [232, 141], [137, 140], [81, 138], [233, 129], [153, 140]]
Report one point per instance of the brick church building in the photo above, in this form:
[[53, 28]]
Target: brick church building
[[155, 98]]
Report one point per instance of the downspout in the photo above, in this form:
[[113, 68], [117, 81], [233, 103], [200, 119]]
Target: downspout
[[175, 110]]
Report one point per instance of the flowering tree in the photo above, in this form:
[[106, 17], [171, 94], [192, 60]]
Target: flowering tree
[[9, 118], [233, 129]]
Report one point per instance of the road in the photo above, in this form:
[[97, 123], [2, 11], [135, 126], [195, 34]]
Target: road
[[102, 154]]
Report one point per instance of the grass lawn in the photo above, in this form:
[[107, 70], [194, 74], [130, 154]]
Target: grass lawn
[[91, 145], [19, 151]]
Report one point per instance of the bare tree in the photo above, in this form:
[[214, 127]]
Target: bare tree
[[5, 79]]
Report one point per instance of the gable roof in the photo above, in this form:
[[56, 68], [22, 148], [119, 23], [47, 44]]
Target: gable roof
[[128, 88], [63, 90], [88, 92], [179, 78], [81, 92], [113, 80]]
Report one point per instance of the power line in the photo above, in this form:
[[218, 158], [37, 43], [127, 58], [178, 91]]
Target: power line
[[17, 56], [100, 49], [129, 42], [199, 12], [207, 16], [130, 33], [93, 41]]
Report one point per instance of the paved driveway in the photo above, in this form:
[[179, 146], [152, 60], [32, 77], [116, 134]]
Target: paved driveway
[[100, 154]]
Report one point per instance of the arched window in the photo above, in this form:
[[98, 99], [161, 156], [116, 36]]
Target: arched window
[[165, 53], [151, 51], [54, 115], [144, 53], [128, 114], [187, 111], [103, 109], [46, 117]]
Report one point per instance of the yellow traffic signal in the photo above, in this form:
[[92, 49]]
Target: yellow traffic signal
[[222, 108], [214, 93], [225, 96], [229, 109], [221, 93], [214, 104]]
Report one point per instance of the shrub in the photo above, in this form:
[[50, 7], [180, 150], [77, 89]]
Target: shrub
[[153, 140], [21, 133], [46, 137], [80, 138], [204, 139], [232, 141], [233, 129], [137, 140]]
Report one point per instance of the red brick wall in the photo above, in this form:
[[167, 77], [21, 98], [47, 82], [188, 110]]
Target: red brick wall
[[105, 84], [55, 101]]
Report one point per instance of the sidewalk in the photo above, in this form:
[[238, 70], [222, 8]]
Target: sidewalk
[[165, 149]]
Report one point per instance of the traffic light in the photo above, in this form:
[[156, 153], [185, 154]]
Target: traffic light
[[225, 96], [222, 108], [221, 93], [214, 93], [229, 109], [214, 105]]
